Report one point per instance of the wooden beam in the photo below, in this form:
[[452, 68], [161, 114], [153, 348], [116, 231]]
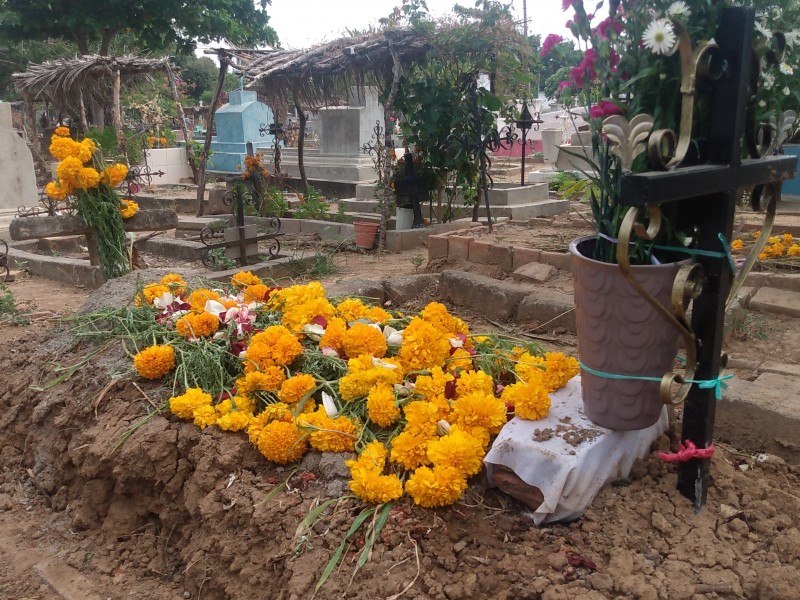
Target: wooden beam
[[118, 114], [34, 228]]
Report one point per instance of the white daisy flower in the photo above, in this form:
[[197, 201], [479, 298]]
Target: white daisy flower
[[679, 10], [786, 91], [659, 37], [786, 69], [761, 28], [769, 80], [792, 37], [762, 103]]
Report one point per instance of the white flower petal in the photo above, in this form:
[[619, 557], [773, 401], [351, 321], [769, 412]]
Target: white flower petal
[[377, 362], [214, 307], [314, 331], [328, 351], [659, 37], [456, 343], [329, 404], [163, 301]]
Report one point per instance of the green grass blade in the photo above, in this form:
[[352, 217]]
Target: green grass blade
[[340, 550]]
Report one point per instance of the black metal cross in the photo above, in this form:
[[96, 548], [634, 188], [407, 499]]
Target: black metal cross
[[702, 198]]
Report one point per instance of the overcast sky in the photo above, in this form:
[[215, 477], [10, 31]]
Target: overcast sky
[[304, 23]]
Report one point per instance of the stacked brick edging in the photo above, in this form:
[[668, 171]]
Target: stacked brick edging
[[460, 245]]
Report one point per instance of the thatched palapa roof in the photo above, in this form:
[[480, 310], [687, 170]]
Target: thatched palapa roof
[[65, 82], [317, 75]]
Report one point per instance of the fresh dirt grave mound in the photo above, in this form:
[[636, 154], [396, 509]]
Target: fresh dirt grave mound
[[159, 507]]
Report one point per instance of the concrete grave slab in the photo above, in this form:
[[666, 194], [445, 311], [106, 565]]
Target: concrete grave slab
[[779, 302], [534, 272]]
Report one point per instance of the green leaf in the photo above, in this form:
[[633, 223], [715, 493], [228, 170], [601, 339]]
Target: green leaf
[[340, 550]]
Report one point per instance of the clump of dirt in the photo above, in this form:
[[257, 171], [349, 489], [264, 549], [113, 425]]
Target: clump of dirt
[[143, 504]]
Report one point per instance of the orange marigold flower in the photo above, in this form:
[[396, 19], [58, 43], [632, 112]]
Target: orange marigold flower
[[334, 332], [268, 380], [439, 486], [530, 400], [205, 416], [410, 451], [61, 131], [274, 346], [196, 326], [244, 279], [737, 244], [474, 381], [282, 442], [364, 339], [175, 282], [457, 449], [433, 385], [198, 298], [329, 434], [154, 362], [424, 346], [150, 292], [184, 405], [295, 388], [421, 417], [480, 410], [381, 405], [236, 420], [371, 486], [257, 293]]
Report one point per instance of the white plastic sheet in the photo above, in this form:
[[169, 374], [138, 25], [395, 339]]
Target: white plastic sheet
[[572, 461]]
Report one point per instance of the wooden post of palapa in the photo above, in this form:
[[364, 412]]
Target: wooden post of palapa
[[388, 113], [118, 113], [201, 183]]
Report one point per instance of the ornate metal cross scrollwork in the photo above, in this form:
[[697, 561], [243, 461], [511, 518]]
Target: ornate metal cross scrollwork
[[526, 122], [139, 175], [276, 130], [374, 148], [241, 240]]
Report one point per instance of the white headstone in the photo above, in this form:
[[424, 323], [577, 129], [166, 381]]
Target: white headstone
[[18, 176]]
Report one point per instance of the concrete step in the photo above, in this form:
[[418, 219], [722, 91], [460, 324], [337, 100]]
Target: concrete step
[[357, 205], [776, 301], [528, 210]]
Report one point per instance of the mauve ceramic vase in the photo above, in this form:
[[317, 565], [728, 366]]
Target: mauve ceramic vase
[[620, 333]]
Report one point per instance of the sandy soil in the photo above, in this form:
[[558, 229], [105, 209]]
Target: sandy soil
[[177, 513]]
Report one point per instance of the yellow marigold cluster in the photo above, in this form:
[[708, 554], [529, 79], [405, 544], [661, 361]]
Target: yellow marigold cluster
[[174, 282], [257, 292], [236, 420], [198, 298], [274, 346], [282, 442], [61, 131], [459, 450], [421, 417], [362, 376], [530, 400], [329, 434], [367, 479], [737, 244], [381, 405], [437, 315], [364, 339], [149, 293], [295, 388], [58, 190], [424, 346], [268, 380], [559, 369], [480, 410], [154, 362], [128, 207], [205, 416], [243, 279], [353, 309], [196, 326], [439, 486], [530, 368], [460, 360], [433, 385], [113, 175], [87, 178], [184, 405], [409, 450], [334, 334], [301, 304], [474, 381]]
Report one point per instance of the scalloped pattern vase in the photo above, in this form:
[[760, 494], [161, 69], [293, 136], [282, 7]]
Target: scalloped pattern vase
[[620, 333]]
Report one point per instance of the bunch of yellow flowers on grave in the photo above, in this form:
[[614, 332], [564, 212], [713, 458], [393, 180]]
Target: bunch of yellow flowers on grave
[[413, 400], [82, 175]]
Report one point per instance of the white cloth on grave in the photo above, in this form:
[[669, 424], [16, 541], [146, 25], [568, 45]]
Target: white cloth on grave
[[569, 476]]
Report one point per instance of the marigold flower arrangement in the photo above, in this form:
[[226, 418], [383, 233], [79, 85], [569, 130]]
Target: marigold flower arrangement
[[414, 399], [81, 175]]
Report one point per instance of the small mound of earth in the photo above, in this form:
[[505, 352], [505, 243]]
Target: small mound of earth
[[140, 504]]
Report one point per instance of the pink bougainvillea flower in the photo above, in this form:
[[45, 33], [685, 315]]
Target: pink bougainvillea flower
[[549, 42], [604, 108]]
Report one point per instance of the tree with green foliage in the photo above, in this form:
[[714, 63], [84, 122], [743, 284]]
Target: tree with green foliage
[[199, 75], [156, 24], [437, 97]]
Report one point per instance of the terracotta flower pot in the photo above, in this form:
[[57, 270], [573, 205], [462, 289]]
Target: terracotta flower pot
[[621, 334], [366, 232]]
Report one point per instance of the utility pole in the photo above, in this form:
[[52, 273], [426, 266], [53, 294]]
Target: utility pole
[[525, 18]]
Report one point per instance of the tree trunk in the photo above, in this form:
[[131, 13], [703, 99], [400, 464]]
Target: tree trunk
[[190, 157], [201, 183], [98, 114], [388, 113], [105, 41], [301, 139]]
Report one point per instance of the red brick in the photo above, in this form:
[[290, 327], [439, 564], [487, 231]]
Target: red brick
[[560, 260], [501, 256], [458, 247], [523, 256], [479, 252], [437, 246]]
